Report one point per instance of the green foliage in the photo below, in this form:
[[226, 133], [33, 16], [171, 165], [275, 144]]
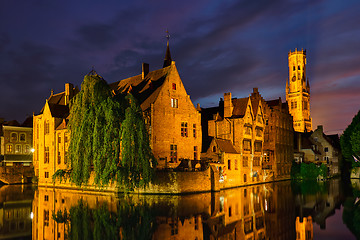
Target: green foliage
[[94, 123], [351, 215], [308, 187], [61, 174], [137, 162], [60, 217], [129, 222], [108, 137], [350, 141], [308, 171]]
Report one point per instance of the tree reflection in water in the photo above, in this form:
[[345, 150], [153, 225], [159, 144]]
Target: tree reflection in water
[[129, 222], [351, 213]]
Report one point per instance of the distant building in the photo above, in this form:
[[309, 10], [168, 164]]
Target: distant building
[[16, 143], [298, 91], [319, 148]]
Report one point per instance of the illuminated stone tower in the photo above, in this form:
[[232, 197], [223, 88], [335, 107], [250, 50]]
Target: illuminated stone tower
[[298, 91]]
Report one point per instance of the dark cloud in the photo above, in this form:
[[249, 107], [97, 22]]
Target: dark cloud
[[218, 47]]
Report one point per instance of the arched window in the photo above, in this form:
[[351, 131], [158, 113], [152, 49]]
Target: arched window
[[22, 137], [13, 137]]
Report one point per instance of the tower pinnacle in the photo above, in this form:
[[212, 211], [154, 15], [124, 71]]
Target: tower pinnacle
[[167, 59]]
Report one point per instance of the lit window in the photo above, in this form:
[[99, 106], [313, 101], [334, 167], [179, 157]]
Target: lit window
[[26, 149], [47, 128], [59, 158], [195, 152], [18, 148], [9, 148], [174, 103], [46, 159], [173, 153], [184, 129]]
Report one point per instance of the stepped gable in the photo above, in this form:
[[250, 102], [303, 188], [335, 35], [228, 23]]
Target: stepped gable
[[146, 89], [240, 105], [225, 145]]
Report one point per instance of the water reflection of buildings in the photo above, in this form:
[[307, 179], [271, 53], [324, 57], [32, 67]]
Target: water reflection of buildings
[[263, 211], [314, 204], [15, 211]]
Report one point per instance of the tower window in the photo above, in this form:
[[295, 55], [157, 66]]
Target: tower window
[[299, 67], [294, 68]]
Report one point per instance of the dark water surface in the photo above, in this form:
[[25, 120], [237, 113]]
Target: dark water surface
[[282, 210]]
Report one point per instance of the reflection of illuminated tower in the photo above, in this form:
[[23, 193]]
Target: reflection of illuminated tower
[[298, 91], [304, 228]]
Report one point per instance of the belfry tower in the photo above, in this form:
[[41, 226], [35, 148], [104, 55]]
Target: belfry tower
[[298, 91]]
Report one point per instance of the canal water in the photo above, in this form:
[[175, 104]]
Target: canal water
[[282, 210]]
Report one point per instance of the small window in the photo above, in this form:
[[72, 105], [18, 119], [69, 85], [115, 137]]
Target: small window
[[9, 148], [195, 152], [26, 149], [46, 198], [214, 149], [244, 179], [173, 153], [174, 103], [59, 158], [47, 128], [46, 174], [174, 86], [46, 157], [59, 138], [229, 164], [18, 149], [22, 137], [194, 130], [184, 129], [236, 164], [293, 68], [299, 67], [14, 137], [326, 149]]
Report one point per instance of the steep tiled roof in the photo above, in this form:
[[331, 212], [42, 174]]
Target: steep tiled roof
[[59, 111], [225, 145], [144, 90], [58, 98], [240, 105]]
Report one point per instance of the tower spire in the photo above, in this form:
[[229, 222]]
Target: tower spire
[[167, 59]]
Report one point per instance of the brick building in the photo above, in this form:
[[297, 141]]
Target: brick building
[[173, 123], [241, 122]]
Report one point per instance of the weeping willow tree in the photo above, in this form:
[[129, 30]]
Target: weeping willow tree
[[94, 123], [137, 162], [350, 141], [108, 136]]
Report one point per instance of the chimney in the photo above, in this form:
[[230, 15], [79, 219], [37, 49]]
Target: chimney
[[69, 92], [228, 106], [320, 128], [145, 70], [198, 107]]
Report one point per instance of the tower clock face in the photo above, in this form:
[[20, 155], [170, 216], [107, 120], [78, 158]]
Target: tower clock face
[[293, 78]]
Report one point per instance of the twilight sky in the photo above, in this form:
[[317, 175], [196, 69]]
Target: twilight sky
[[218, 46]]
